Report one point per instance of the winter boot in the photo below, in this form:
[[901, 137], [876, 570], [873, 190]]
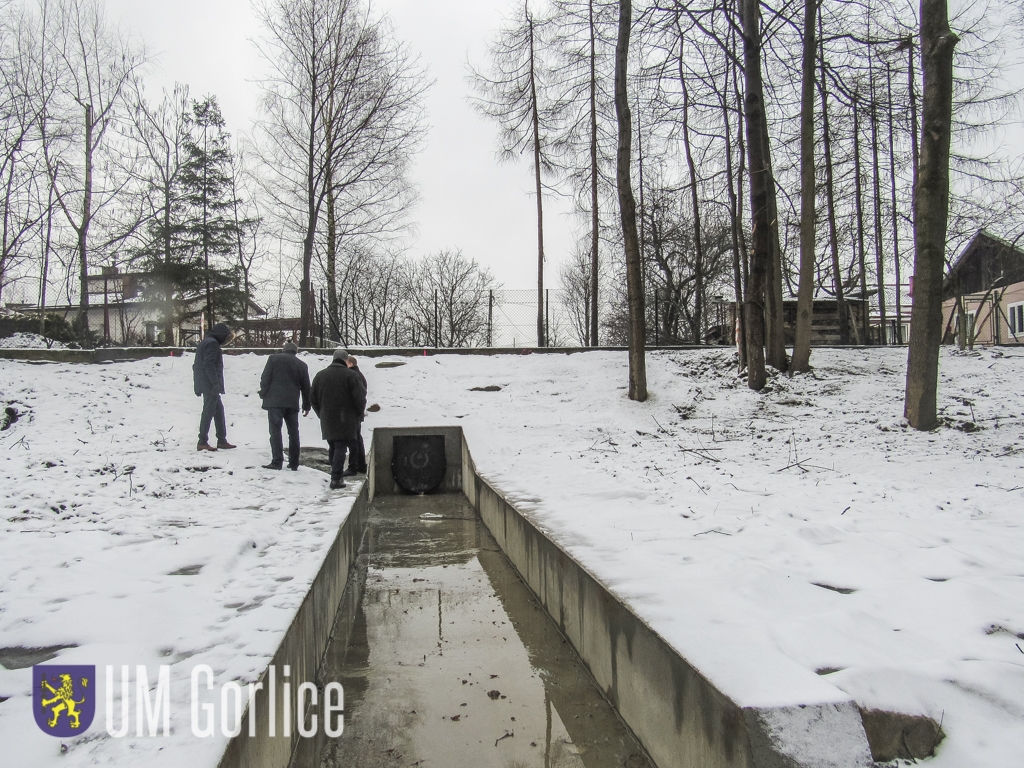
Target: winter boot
[[225, 444], [205, 447]]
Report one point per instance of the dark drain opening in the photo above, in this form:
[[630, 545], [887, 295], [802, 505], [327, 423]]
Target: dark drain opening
[[418, 462]]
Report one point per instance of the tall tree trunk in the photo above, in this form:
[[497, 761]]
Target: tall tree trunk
[[734, 216], [306, 307], [859, 207], [595, 232], [83, 229], [206, 230], [931, 212], [774, 327], [697, 321], [760, 257], [915, 153], [741, 174], [168, 282], [830, 197], [895, 213], [627, 212], [45, 262], [642, 214], [242, 265], [876, 181], [541, 329], [5, 254], [805, 293], [332, 258]]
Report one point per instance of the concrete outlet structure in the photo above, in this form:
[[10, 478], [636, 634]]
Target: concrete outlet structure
[[675, 712]]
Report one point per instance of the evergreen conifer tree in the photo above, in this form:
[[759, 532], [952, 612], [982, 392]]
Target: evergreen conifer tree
[[210, 227]]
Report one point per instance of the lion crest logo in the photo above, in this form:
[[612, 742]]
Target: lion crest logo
[[63, 698]]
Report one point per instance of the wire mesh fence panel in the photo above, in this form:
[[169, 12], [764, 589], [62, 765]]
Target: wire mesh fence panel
[[516, 321], [493, 318]]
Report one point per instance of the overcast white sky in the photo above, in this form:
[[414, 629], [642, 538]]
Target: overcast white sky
[[468, 201]]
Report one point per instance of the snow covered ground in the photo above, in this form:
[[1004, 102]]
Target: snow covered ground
[[119, 538], [801, 527]]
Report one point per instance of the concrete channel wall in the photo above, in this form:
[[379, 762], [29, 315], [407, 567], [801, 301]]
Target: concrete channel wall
[[302, 650], [679, 716]]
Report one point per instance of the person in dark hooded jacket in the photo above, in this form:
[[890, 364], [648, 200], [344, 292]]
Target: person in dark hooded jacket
[[208, 380], [339, 399], [284, 379]]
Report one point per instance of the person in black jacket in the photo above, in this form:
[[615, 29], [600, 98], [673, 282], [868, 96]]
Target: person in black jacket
[[339, 399], [208, 380], [357, 460], [284, 379]]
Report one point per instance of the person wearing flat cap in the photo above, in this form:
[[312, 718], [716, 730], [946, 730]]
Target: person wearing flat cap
[[285, 379], [339, 399]]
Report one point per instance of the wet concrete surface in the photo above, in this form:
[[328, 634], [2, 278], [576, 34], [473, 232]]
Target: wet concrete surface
[[448, 661]]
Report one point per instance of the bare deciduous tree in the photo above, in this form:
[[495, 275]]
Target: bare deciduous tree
[[931, 211], [161, 131], [512, 92], [801, 362], [760, 181], [341, 115], [449, 299], [576, 287], [584, 46], [627, 212], [26, 91], [98, 64]]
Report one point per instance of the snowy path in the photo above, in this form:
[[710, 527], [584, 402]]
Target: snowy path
[[119, 538], [803, 527]]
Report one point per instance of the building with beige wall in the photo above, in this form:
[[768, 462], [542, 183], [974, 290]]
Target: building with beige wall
[[984, 294]]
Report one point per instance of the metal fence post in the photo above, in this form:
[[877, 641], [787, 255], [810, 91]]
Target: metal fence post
[[437, 329], [547, 316], [490, 318]]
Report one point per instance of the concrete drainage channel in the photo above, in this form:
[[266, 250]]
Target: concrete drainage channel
[[463, 636]]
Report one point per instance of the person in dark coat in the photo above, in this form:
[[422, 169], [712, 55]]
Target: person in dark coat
[[357, 460], [208, 380], [339, 399], [285, 378]]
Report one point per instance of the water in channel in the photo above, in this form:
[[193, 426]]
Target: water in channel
[[448, 661]]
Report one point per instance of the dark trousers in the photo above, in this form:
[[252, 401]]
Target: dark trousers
[[290, 418], [213, 410], [358, 459], [336, 456]]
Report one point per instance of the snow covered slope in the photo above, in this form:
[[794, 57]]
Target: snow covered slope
[[119, 538], [800, 527]]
